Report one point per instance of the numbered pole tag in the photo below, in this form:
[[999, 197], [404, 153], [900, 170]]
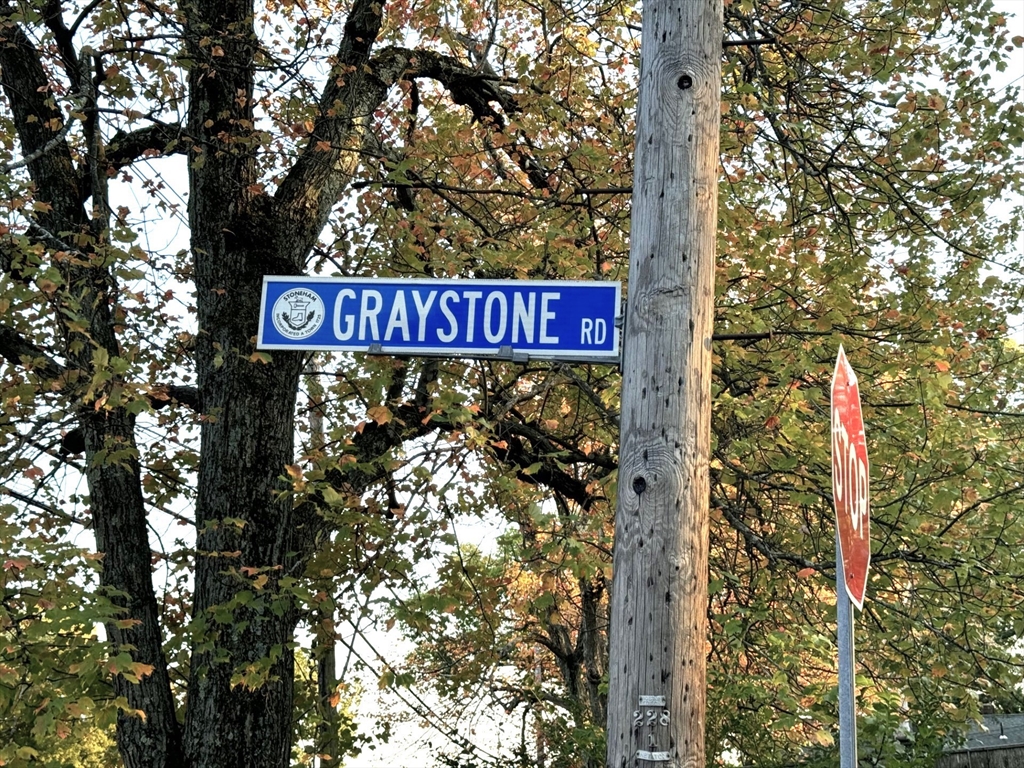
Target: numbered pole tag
[[650, 722]]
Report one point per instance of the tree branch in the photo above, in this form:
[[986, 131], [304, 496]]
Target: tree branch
[[751, 42], [164, 394], [38, 122], [48, 508], [158, 139], [471, 88], [54, 20], [468, 86], [358, 85], [327, 162], [18, 350], [757, 542]]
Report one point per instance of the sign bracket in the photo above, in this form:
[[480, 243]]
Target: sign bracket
[[507, 353], [620, 326]]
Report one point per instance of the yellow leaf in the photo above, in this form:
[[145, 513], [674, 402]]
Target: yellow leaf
[[294, 471], [380, 414]]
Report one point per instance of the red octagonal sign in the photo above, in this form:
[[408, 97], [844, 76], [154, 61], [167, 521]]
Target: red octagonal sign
[[850, 479]]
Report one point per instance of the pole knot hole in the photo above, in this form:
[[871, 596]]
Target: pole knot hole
[[685, 82], [639, 484]]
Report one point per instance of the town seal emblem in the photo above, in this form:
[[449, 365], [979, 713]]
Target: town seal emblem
[[298, 313]]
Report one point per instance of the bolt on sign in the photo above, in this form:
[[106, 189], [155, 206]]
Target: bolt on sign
[[850, 479]]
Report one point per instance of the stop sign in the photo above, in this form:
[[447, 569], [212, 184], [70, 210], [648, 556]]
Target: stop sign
[[850, 479]]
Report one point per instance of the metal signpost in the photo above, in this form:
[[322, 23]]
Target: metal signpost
[[853, 546], [516, 320]]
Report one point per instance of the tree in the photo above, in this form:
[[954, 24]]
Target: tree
[[257, 204], [866, 229], [454, 139]]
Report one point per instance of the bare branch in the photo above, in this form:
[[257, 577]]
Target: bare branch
[[48, 508], [18, 350], [751, 42], [358, 85], [52, 144]]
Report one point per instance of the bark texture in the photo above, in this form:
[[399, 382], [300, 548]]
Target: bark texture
[[659, 592]]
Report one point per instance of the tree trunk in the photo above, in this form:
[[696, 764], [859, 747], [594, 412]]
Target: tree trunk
[[238, 694], [149, 732], [659, 594]]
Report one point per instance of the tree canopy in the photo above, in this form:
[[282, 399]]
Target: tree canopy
[[189, 525]]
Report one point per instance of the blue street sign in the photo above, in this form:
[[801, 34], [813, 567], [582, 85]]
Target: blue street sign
[[509, 319]]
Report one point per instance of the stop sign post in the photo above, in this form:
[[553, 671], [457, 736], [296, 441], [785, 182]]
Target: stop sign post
[[853, 551]]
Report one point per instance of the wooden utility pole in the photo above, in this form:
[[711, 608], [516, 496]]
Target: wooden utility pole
[[659, 595]]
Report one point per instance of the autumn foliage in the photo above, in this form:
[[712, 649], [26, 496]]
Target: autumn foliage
[[189, 527]]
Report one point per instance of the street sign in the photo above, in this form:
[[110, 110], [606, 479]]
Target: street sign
[[506, 319], [850, 479]]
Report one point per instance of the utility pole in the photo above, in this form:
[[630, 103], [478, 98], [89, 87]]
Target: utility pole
[[656, 699]]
